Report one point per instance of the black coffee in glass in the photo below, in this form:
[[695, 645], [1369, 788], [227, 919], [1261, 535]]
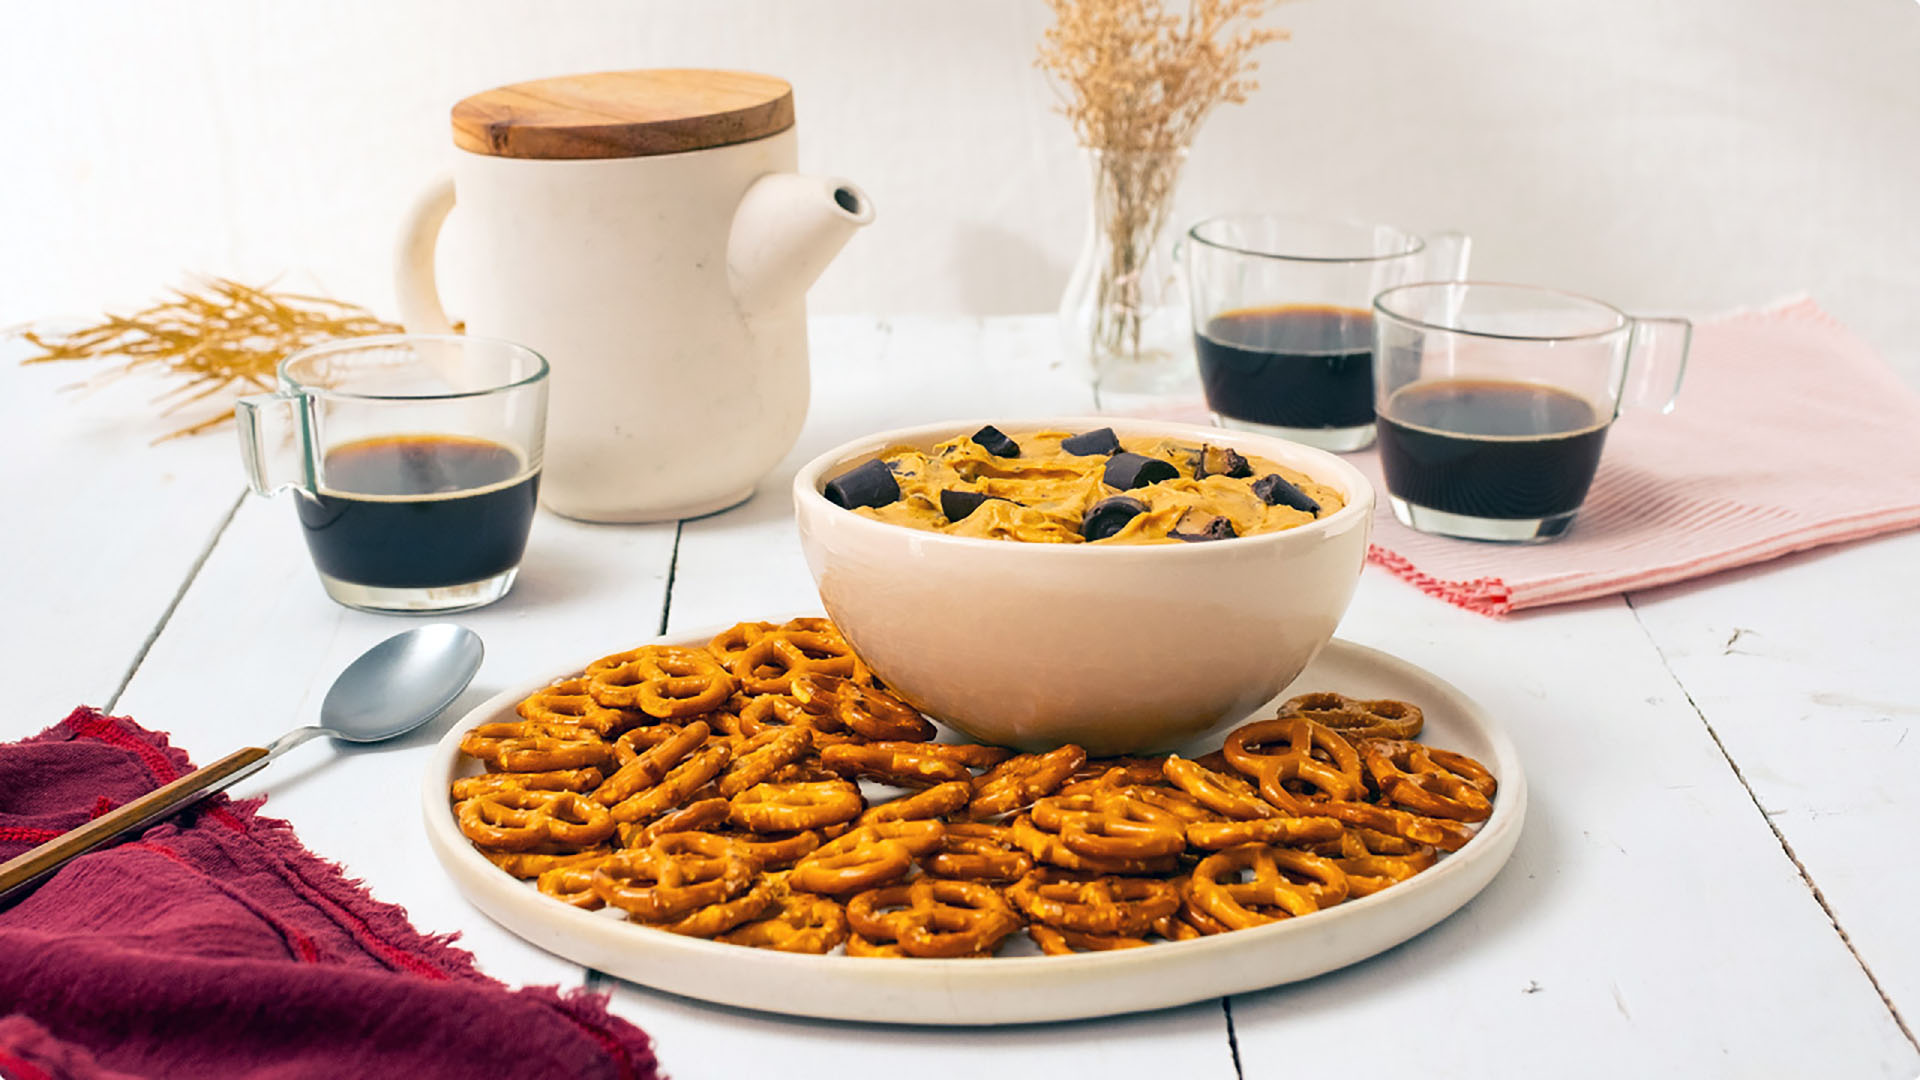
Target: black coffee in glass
[[1300, 366], [1490, 448]]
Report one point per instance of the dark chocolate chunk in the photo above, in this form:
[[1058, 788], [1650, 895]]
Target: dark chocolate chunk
[[871, 484], [958, 504], [1109, 516], [1214, 528], [1126, 471], [1274, 490], [995, 442], [1088, 443], [1220, 461]]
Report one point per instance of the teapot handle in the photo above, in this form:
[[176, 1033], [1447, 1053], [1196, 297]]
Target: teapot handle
[[413, 281]]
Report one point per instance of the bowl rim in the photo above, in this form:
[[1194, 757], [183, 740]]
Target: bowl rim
[[1326, 468]]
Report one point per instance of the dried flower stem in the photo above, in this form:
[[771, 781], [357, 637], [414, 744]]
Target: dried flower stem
[[1138, 80], [224, 336]]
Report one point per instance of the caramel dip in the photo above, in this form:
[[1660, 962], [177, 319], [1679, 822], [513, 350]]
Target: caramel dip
[[1058, 487]]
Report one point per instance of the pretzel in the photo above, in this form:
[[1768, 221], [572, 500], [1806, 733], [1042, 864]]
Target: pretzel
[[972, 755], [1273, 893], [1220, 792], [1046, 847], [575, 780], [715, 919], [798, 922], [731, 642], [1116, 772], [567, 702], [978, 853], [761, 756], [1057, 942], [865, 857], [1302, 746], [1096, 905], [864, 947], [898, 764], [677, 874], [771, 663], [934, 917], [1369, 871], [1429, 781], [531, 864], [935, 802], [519, 820], [776, 851], [680, 786], [1380, 719], [1110, 826], [1016, 782], [1174, 801], [572, 883], [1280, 831], [530, 746], [867, 711], [631, 744], [789, 807], [664, 681], [665, 749], [698, 815], [1436, 832]]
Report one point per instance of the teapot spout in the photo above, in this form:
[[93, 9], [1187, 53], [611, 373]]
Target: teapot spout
[[786, 230]]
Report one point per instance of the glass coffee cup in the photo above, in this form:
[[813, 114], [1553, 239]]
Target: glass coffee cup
[[1282, 323], [414, 461], [1494, 401]]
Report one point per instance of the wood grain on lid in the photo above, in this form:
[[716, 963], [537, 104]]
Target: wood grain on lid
[[617, 114]]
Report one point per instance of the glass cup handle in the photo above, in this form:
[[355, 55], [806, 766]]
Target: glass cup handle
[[1656, 362], [271, 446], [1447, 255]]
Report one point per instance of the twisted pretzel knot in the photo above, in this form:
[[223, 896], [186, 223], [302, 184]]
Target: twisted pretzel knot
[[522, 820], [865, 857], [676, 875], [530, 746], [568, 702], [865, 710], [572, 883], [1435, 832], [1094, 905], [1369, 871], [1224, 794], [728, 644], [575, 780], [978, 852], [899, 764], [1354, 719], [1046, 847], [663, 681], [798, 922], [1430, 781], [1110, 826], [934, 917], [771, 808], [1294, 748], [771, 664], [699, 815], [762, 755], [1016, 782], [1283, 883]]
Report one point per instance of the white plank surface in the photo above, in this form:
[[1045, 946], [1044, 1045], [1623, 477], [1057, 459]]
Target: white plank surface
[[99, 531], [1648, 924], [1808, 670]]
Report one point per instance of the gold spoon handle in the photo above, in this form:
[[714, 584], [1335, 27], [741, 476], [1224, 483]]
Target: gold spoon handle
[[155, 804]]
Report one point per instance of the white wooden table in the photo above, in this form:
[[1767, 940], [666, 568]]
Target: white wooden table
[[1718, 874]]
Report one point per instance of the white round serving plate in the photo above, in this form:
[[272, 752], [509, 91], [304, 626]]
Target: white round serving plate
[[1018, 988]]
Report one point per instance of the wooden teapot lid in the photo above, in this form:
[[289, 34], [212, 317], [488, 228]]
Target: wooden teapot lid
[[621, 114]]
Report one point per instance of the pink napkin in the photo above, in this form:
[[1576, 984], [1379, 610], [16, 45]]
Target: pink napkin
[[1790, 433]]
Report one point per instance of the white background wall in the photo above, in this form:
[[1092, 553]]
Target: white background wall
[[1665, 154]]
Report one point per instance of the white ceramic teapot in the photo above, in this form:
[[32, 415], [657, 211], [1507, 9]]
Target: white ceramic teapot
[[646, 233]]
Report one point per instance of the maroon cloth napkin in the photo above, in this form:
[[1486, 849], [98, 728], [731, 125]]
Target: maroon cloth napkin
[[215, 945]]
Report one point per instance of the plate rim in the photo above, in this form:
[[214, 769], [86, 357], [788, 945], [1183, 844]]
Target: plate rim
[[470, 871]]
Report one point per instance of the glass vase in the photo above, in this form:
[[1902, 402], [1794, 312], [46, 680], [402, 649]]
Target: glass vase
[[1123, 316]]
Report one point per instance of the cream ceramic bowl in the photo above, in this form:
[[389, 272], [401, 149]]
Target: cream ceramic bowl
[[1120, 649]]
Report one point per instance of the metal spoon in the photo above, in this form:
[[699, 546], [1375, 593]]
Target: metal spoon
[[391, 689]]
